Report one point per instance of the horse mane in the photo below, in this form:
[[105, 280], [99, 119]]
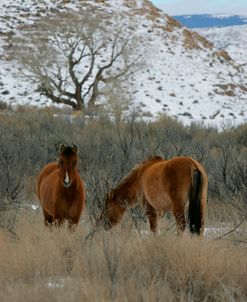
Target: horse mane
[[152, 159], [132, 175]]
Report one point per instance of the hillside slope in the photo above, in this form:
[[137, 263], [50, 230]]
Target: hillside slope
[[233, 39], [184, 76]]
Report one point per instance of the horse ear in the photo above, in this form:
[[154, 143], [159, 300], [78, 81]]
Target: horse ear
[[74, 149], [110, 194], [62, 148]]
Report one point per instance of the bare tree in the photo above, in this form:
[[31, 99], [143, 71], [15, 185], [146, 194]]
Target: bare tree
[[71, 59]]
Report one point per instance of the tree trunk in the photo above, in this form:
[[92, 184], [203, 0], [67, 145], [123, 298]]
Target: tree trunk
[[79, 100]]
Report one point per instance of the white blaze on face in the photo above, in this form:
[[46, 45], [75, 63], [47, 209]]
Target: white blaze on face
[[66, 180]]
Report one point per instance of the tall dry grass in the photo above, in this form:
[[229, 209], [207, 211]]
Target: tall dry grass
[[127, 263], [120, 265]]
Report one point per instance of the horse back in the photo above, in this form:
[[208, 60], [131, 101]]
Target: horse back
[[170, 180], [175, 172]]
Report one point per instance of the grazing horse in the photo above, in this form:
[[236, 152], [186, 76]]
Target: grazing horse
[[159, 186], [61, 190]]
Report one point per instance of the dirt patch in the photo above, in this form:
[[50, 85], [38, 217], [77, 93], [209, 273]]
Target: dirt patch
[[226, 89], [222, 55], [172, 24], [193, 40]]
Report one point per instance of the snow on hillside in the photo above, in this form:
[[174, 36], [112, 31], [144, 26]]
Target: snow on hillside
[[185, 76], [233, 39]]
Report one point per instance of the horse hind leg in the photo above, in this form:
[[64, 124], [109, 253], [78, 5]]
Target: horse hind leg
[[178, 213], [152, 217]]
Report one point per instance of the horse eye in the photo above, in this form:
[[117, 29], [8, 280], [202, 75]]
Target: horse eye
[[74, 163], [61, 163]]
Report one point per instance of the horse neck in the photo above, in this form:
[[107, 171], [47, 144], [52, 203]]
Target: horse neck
[[130, 185]]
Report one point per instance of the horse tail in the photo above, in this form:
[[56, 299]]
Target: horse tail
[[195, 203]]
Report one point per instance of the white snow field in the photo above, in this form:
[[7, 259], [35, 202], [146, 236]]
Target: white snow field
[[184, 76]]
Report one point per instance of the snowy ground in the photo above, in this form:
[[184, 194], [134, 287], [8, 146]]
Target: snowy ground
[[176, 80]]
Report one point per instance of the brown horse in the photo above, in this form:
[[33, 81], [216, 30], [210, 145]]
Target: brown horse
[[61, 190], [160, 186]]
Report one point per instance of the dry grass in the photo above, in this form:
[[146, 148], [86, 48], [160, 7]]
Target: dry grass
[[223, 54], [120, 265], [193, 40], [123, 264], [172, 24]]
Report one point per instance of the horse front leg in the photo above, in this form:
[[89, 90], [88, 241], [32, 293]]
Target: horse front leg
[[48, 219], [72, 223], [58, 222], [152, 214], [58, 219]]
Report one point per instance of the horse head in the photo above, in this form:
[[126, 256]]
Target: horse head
[[68, 164], [112, 211]]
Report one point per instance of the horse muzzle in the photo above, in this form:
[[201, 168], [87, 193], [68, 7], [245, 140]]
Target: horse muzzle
[[67, 185], [67, 181]]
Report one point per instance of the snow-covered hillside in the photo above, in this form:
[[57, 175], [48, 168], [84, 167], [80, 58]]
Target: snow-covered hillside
[[233, 39], [184, 76]]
